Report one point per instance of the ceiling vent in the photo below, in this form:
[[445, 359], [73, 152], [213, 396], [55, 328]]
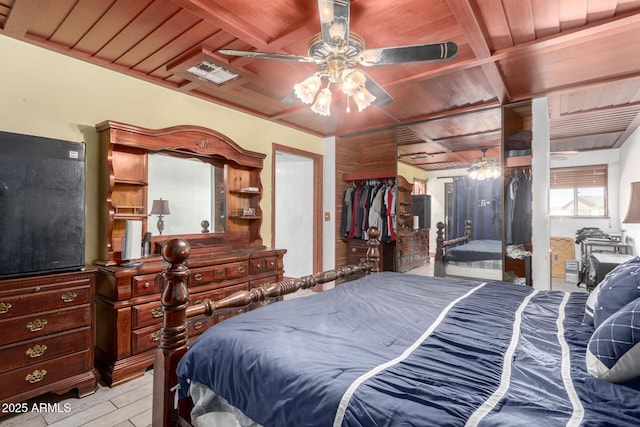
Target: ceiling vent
[[212, 72]]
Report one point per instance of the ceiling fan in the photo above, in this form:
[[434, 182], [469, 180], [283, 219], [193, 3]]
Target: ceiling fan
[[337, 51]]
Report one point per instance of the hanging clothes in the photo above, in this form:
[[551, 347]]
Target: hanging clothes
[[369, 204]]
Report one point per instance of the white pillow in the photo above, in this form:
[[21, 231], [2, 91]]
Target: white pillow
[[590, 306], [613, 352]]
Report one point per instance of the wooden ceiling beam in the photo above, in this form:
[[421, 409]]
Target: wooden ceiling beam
[[467, 19], [20, 17], [231, 23]]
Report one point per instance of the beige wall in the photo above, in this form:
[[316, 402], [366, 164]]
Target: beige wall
[[411, 173], [48, 94]]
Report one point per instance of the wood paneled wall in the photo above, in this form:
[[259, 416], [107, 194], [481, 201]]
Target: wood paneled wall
[[368, 152]]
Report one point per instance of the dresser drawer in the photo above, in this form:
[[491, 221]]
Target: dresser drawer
[[39, 375], [261, 265], [201, 276], [145, 339], [231, 271], [146, 314], [45, 323], [217, 294], [146, 284], [45, 348], [38, 299]]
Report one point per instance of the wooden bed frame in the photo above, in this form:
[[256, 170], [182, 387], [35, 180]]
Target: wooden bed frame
[[442, 246], [175, 297]]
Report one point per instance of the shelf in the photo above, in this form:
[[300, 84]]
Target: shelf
[[129, 181], [511, 162], [130, 216], [245, 217], [250, 192], [374, 174]]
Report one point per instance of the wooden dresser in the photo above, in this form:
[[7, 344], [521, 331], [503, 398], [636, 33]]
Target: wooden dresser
[[413, 249], [129, 312], [227, 252], [46, 344]]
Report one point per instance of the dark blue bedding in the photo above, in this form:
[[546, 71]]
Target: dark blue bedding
[[399, 349], [475, 250]]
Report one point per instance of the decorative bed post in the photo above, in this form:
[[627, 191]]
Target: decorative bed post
[[173, 334], [442, 245], [175, 304]]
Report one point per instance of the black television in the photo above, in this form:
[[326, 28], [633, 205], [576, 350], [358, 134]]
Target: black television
[[42, 205]]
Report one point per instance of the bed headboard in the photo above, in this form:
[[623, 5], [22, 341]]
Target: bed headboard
[[175, 303], [442, 245]]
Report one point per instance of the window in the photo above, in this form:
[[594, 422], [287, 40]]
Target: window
[[579, 191]]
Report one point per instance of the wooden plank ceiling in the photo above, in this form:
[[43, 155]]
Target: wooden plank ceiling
[[582, 54]]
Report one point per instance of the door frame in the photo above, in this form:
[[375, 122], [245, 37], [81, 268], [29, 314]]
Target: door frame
[[317, 199]]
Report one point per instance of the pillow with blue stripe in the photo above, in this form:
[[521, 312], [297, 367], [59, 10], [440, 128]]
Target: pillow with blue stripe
[[619, 287], [613, 352]]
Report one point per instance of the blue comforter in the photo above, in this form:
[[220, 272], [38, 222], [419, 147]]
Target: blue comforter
[[398, 349], [475, 250]]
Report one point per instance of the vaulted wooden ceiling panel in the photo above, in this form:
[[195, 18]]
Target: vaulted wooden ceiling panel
[[507, 51]]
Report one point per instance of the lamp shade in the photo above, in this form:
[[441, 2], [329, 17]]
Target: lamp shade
[[633, 213], [160, 207]]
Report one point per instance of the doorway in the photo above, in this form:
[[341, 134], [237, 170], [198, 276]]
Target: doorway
[[297, 205]]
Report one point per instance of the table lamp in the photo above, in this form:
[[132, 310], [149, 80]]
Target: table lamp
[[160, 208]]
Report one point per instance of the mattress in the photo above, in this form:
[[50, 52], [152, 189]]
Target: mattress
[[475, 250], [401, 349]]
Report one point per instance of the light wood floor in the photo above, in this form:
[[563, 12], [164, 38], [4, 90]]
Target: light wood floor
[[129, 404], [126, 405]]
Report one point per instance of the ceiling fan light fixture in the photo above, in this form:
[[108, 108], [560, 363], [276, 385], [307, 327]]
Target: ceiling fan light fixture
[[322, 105], [352, 80], [484, 168], [308, 89], [363, 98]]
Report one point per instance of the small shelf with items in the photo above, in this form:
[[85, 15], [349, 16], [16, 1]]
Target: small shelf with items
[[129, 212]]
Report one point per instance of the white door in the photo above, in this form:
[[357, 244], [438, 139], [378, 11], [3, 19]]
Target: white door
[[294, 212]]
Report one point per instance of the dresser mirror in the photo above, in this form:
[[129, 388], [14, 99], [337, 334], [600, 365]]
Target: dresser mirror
[[192, 187]]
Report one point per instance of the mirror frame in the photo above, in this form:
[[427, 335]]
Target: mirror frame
[[187, 140]]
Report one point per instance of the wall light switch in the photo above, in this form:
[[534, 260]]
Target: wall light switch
[[327, 216]]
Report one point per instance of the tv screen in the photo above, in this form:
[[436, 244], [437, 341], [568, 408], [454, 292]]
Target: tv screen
[[42, 205]]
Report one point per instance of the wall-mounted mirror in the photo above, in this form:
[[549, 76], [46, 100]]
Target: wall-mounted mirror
[[194, 190], [445, 151]]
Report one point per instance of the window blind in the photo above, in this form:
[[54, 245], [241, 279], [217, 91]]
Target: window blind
[[579, 177]]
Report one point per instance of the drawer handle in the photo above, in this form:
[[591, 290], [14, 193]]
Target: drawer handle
[[35, 376], [69, 296], [146, 285], [198, 277], [155, 336], [36, 325], [241, 269], [272, 263], [4, 307], [258, 266], [36, 351], [198, 325], [354, 250], [157, 312], [198, 301]]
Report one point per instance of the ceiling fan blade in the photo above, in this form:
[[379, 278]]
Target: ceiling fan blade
[[382, 96], [334, 21], [400, 54], [266, 55]]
